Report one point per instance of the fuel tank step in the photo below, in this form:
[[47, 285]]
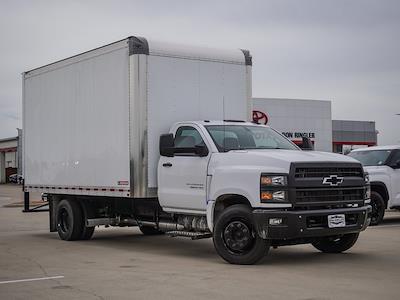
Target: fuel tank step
[[190, 234]]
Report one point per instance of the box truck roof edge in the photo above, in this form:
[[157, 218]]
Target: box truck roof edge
[[140, 45]]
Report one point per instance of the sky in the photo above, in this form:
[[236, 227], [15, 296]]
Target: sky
[[344, 51]]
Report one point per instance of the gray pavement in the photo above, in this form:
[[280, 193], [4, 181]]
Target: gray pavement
[[120, 263]]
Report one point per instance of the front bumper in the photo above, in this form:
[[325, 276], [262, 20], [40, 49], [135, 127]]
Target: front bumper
[[309, 223]]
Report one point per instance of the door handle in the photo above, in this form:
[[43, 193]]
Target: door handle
[[168, 164]]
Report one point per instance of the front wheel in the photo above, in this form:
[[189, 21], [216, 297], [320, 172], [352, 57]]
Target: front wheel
[[235, 238], [378, 208], [336, 244]]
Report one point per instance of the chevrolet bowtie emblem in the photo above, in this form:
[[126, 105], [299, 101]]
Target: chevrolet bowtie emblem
[[332, 180]]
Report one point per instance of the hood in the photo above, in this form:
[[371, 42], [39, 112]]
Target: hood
[[276, 160], [372, 170], [302, 156]]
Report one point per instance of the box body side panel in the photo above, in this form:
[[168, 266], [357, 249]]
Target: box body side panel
[[76, 117]]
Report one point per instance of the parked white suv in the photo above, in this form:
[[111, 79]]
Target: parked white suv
[[383, 166]]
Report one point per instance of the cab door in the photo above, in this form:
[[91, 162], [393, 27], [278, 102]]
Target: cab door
[[182, 178]]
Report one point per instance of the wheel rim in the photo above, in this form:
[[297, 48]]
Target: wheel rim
[[238, 237], [376, 211], [63, 220]]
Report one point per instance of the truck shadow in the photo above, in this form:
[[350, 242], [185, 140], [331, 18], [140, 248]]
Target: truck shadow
[[289, 255], [392, 220], [157, 245], [203, 250]]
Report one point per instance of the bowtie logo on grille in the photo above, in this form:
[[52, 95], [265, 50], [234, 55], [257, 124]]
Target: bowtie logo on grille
[[332, 180]]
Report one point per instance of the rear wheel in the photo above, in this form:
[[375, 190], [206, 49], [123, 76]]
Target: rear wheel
[[336, 244], [69, 220], [148, 230], [235, 238], [378, 208], [87, 213]]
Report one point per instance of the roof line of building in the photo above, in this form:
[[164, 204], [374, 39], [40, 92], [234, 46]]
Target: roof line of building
[[9, 139], [342, 120]]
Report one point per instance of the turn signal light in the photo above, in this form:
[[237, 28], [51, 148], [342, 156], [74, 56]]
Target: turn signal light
[[266, 196]]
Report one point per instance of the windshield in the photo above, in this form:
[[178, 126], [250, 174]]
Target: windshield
[[372, 157], [240, 137]]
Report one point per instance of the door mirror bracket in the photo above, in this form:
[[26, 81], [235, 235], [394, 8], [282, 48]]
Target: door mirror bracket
[[201, 150]]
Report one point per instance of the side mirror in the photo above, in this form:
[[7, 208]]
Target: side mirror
[[307, 144], [201, 150], [167, 145], [396, 164]]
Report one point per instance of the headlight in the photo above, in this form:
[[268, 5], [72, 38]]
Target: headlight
[[272, 180], [366, 177], [273, 188], [368, 192], [367, 195]]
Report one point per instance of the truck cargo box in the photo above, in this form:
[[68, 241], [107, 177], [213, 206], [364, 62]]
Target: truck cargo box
[[92, 121]]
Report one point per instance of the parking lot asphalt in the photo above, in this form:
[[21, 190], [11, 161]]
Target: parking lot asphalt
[[121, 263]]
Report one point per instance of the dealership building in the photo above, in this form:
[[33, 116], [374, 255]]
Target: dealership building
[[294, 118]]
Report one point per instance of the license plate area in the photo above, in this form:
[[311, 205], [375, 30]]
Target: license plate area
[[335, 221]]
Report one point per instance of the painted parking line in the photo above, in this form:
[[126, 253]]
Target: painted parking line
[[31, 279]]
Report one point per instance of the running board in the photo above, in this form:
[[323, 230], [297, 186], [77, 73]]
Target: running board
[[190, 234]]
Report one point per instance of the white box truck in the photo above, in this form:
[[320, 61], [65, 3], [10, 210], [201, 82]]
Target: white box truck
[[155, 135]]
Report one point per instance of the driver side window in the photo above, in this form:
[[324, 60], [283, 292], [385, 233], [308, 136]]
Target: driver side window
[[395, 157], [188, 137]]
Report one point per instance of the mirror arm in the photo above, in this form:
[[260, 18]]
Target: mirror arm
[[185, 150]]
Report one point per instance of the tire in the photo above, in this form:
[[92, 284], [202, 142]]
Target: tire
[[235, 238], [69, 220], [378, 208], [148, 230], [87, 213], [336, 244], [87, 233]]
